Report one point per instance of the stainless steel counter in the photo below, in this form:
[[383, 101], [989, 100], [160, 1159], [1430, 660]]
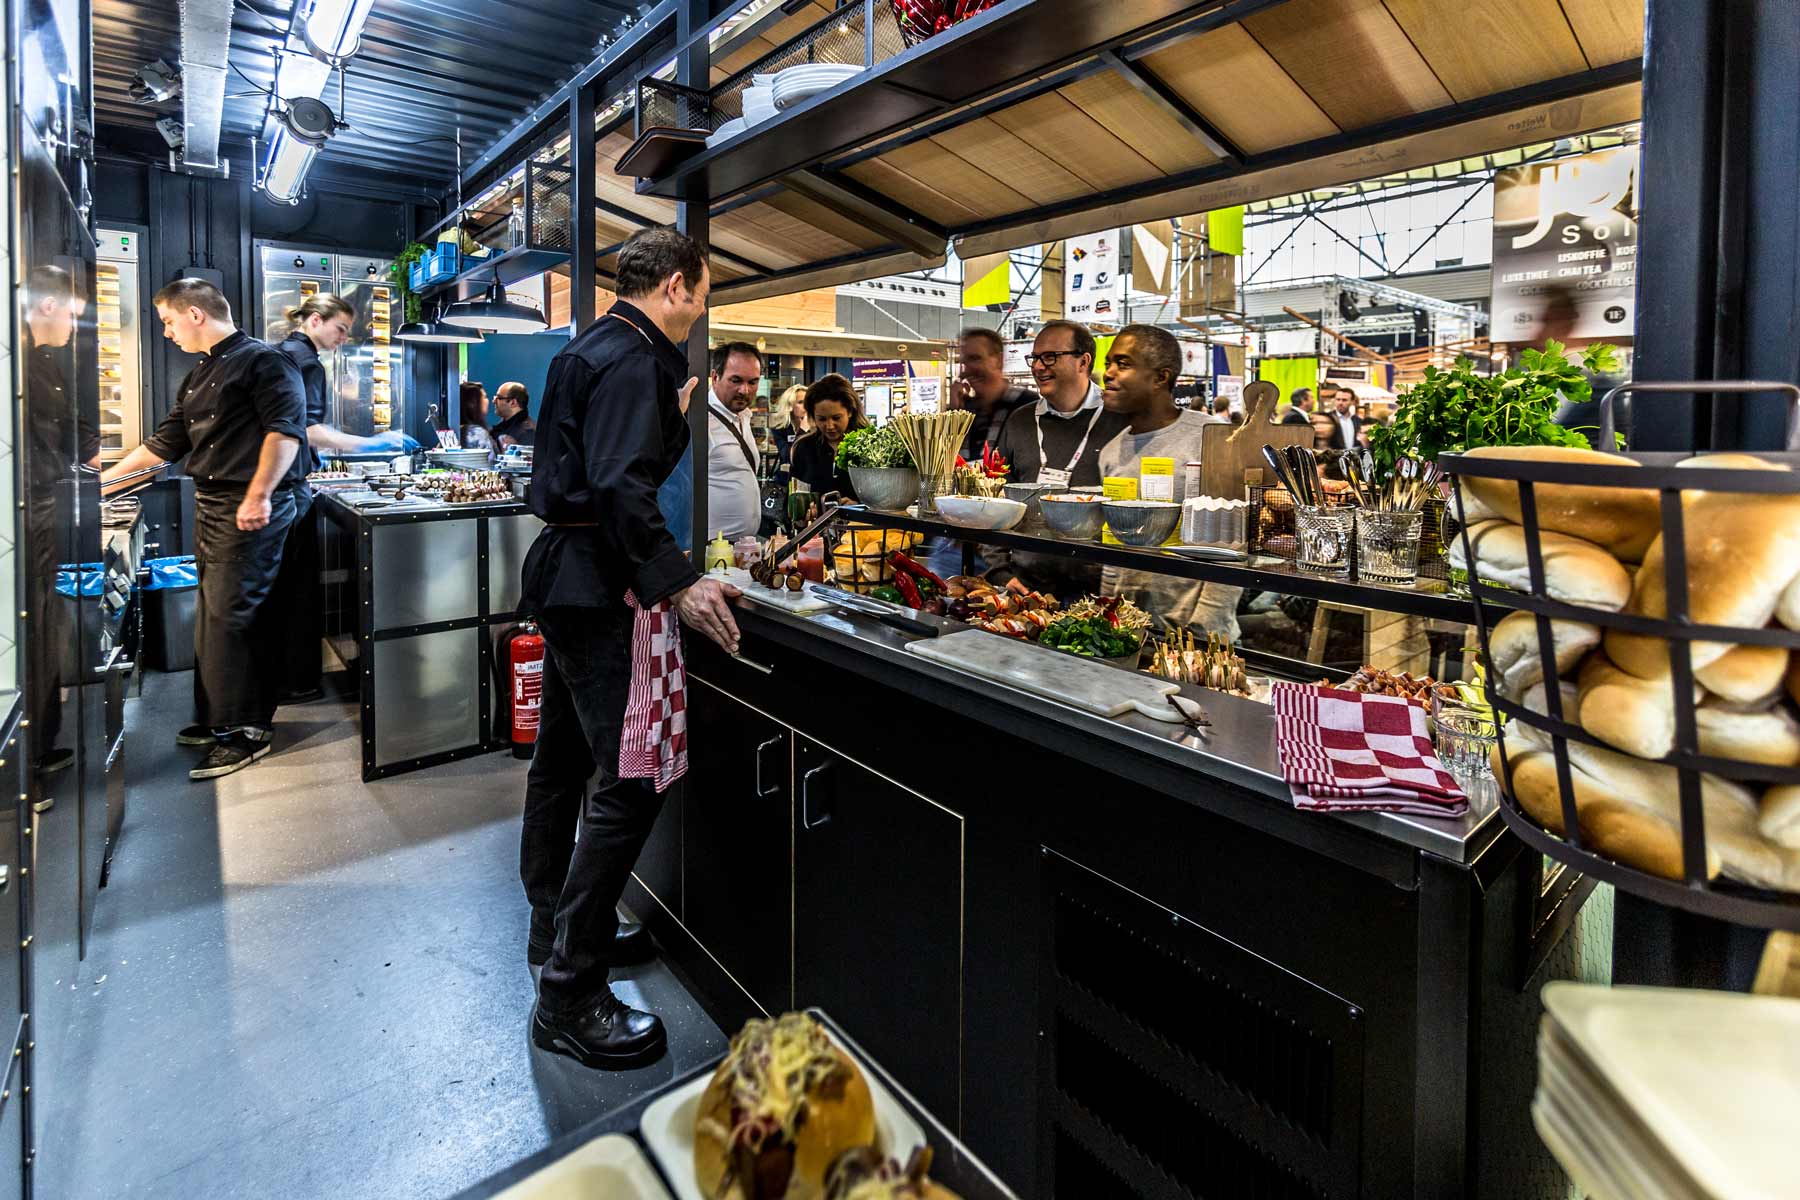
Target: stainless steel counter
[[1238, 749]]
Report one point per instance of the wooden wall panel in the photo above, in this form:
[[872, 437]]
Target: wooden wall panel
[[1151, 132], [916, 194], [1230, 79], [991, 148], [815, 309], [973, 189], [1609, 31], [1351, 57], [1493, 46]]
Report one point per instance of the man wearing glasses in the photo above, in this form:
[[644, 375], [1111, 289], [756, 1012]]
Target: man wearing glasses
[[1057, 441]]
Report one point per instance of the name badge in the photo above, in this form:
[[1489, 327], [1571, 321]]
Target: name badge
[[1054, 479]]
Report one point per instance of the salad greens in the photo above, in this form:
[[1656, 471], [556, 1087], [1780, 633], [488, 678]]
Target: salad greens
[[1459, 409], [1091, 637], [874, 447]]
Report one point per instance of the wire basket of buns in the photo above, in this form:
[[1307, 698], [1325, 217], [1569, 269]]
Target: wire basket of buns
[[1640, 619], [863, 555]]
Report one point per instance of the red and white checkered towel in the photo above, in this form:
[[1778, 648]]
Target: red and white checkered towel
[[653, 743], [1352, 752]]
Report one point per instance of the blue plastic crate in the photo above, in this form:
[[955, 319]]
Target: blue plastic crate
[[442, 263]]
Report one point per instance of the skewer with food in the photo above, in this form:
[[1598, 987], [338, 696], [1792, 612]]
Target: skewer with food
[[1216, 665]]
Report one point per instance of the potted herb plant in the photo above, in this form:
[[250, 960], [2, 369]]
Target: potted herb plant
[[880, 467]]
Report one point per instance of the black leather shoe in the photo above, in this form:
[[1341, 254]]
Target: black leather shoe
[[609, 1036], [632, 945]]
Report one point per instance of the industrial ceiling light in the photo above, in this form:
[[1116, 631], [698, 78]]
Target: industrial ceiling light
[[305, 126], [436, 333], [496, 314], [333, 29]]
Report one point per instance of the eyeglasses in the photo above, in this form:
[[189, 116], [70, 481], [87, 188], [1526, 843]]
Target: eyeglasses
[[1048, 358]]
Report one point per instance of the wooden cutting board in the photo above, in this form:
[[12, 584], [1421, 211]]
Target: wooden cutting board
[[1088, 685], [1227, 451]]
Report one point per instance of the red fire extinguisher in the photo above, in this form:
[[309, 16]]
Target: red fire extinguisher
[[525, 653]]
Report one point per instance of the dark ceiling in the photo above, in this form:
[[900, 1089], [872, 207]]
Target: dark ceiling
[[427, 69]]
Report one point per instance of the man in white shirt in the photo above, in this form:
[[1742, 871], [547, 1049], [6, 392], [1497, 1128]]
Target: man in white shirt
[[733, 493], [1346, 425]]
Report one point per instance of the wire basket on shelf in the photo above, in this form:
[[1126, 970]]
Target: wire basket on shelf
[[862, 554], [1640, 755]]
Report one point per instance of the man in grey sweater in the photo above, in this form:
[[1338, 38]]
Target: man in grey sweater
[[1141, 371]]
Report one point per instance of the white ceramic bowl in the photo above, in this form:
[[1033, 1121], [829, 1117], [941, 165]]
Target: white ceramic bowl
[[981, 512]]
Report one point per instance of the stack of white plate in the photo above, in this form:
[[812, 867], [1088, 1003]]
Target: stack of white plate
[[460, 460], [800, 83], [759, 103], [728, 130], [1667, 1093]]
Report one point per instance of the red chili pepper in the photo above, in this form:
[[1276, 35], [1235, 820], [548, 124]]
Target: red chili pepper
[[909, 590], [906, 565]]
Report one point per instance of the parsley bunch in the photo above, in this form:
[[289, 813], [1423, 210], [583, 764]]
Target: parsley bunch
[[1459, 409], [874, 447]]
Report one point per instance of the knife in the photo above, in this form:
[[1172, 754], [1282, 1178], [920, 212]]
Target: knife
[[882, 611]]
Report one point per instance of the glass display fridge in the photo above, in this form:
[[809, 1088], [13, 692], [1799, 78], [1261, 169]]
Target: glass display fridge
[[118, 317], [366, 380]]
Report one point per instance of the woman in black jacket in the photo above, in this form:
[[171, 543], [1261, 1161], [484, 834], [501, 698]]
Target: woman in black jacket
[[832, 407]]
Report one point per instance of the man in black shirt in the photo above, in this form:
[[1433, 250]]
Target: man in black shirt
[[981, 387], [239, 418], [513, 404], [611, 429]]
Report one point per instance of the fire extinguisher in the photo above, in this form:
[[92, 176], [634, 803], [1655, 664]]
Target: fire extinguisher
[[525, 674]]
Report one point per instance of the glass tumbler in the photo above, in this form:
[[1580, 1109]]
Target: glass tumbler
[[1323, 538], [1387, 545], [930, 488]]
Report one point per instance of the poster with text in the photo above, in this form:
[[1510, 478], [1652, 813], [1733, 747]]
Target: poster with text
[[1093, 293], [927, 394], [1565, 248]]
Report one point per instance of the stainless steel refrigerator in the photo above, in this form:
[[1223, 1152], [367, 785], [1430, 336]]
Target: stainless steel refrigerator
[[118, 309], [366, 380]]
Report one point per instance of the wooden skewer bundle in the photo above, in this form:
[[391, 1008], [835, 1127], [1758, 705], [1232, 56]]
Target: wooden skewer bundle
[[933, 439]]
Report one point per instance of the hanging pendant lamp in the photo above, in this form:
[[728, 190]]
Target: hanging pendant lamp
[[495, 313], [437, 333]]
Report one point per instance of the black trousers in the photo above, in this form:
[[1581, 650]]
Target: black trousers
[[577, 849], [296, 604], [237, 637]]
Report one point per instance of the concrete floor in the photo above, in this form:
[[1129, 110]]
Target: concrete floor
[[303, 985]]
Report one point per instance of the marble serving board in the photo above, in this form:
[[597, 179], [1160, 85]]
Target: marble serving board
[[1083, 683], [798, 603]]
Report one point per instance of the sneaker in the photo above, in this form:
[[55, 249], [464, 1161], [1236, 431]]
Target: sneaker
[[197, 735], [611, 1036], [233, 752]]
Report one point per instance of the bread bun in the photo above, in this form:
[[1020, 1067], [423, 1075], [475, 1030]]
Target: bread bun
[[1513, 647], [1614, 827], [1746, 675], [1634, 715], [1475, 510], [1575, 571], [1630, 790], [781, 1108], [1537, 699], [1743, 551], [868, 1174], [1622, 521], [1780, 817], [1771, 737]]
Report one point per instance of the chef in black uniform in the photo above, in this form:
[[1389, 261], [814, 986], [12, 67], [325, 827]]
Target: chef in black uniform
[[611, 429], [239, 417], [320, 324]]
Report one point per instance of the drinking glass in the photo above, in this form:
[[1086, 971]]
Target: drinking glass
[[1387, 545], [1323, 537]]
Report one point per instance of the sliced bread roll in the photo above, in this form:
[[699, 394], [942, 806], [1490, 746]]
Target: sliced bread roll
[[1780, 817], [1743, 551], [1622, 521], [1575, 571], [1746, 675], [1513, 644], [1617, 779]]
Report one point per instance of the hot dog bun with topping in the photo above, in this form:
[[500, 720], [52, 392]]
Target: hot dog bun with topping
[[784, 1105], [868, 1174]]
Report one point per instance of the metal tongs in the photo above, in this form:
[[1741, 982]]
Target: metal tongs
[[113, 489], [830, 503]]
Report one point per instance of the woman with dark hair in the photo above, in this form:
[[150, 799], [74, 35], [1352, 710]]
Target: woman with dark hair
[[473, 434], [833, 410]]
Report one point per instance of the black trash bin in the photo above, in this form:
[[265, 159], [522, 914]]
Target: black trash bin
[[171, 590]]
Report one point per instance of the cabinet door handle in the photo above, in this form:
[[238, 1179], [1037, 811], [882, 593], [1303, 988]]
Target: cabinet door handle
[[762, 791], [806, 818]]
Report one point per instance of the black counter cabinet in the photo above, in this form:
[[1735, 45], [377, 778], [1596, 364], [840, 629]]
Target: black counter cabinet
[[1113, 963]]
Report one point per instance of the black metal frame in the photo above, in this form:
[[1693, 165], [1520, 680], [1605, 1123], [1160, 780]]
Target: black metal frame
[[1285, 579], [1695, 892]]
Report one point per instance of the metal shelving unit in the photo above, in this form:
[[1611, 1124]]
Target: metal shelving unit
[[1427, 598]]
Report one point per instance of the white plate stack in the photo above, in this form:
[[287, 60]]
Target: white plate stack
[[460, 460], [728, 130], [1668, 1094], [758, 100], [802, 83]]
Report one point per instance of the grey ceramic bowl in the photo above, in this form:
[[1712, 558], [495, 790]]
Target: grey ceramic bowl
[[1074, 520], [890, 489], [1027, 494], [1141, 523]]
